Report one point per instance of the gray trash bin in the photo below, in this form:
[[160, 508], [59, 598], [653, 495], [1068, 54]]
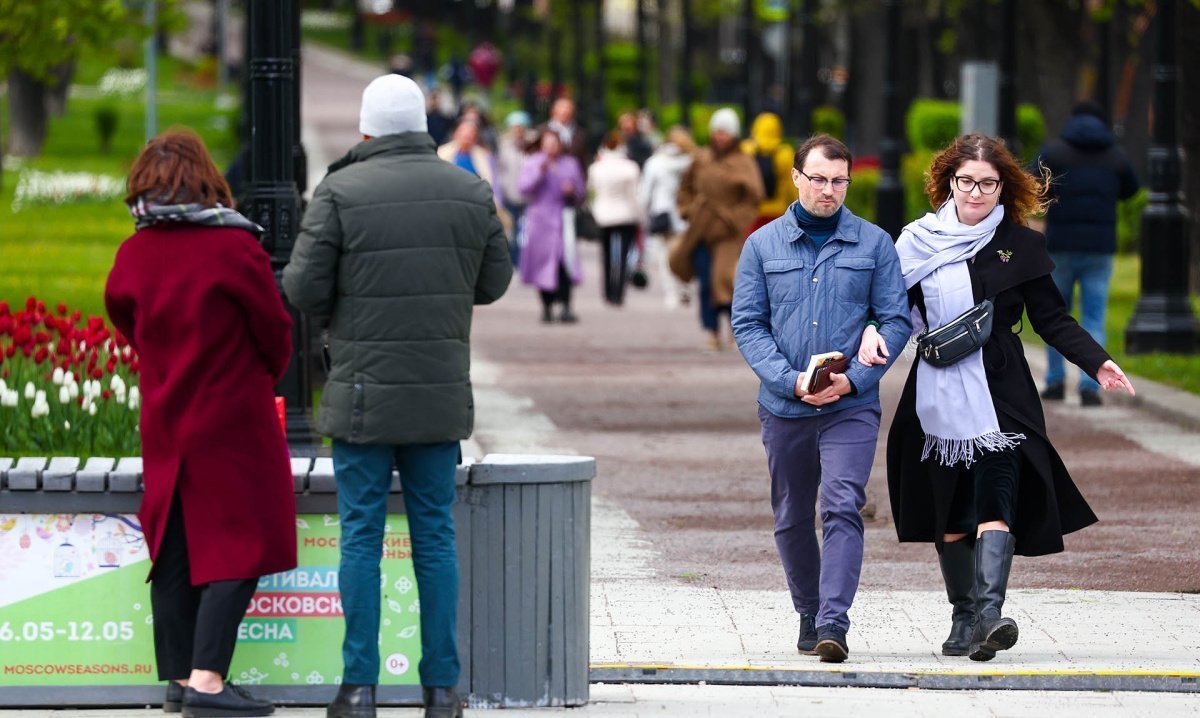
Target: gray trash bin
[[524, 601]]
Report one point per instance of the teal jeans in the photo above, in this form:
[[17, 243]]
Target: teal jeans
[[364, 475]]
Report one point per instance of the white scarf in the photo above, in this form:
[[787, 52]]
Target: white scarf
[[954, 403]]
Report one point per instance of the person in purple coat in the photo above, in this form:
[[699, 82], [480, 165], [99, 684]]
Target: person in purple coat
[[552, 182]]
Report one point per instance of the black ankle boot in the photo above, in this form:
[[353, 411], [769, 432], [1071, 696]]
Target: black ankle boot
[[958, 571], [441, 702], [993, 560], [352, 701]]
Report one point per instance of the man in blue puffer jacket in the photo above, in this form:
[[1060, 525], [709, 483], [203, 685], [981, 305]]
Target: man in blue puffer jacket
[[1090, 175], [808, 283]]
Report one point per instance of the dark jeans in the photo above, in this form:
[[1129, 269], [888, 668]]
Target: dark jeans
[[195, 627], [986, 492], [562, 294], [1091, 271], [833, 453], [709, 312], [516, 211], [615, 255], [364, 477]]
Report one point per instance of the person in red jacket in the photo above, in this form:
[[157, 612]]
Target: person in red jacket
[[194, 294]]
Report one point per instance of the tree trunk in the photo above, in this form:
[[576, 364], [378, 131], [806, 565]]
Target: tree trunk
[[58, 88], [27, 113]]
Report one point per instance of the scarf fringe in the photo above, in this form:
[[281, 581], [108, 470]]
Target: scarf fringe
[[952, 451]]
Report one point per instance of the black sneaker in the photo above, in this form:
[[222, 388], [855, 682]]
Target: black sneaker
[[1090, 398], [232, 702], [173, 703], [831, 644], [807, 642], [1054, 392]]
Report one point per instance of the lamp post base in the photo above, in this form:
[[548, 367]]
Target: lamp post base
[[1163, 323]]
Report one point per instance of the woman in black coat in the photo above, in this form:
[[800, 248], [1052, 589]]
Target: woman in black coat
[[970, 466]]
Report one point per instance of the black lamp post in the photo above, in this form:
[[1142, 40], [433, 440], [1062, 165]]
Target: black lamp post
[[598, 114], [802, 52], [642, 54], [889, 195], [1007, 99], [685, 64], [578, 50], [273, 201], [1163, 319], [749, 51]]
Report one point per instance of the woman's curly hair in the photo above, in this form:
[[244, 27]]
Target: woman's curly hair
[[1022, 194]]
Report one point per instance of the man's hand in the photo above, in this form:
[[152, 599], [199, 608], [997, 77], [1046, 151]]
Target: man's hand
[[839, 387], [800, 393]]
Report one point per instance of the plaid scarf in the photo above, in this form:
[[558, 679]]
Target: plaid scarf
[[147, 213]]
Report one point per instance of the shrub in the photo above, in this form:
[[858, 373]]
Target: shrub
[[932, 124], [860, 198], [1129, 222], [107, 119], [831, 121], [912, 174], [1031, 131]]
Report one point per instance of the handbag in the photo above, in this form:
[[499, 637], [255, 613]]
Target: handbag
[[585, 225], [660, 223], [957, 338]]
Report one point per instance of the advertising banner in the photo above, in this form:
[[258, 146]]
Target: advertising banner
[[75, 607]]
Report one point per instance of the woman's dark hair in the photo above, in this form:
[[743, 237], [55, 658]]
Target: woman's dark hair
[[175, 168], [1022, 194], [831, 147], [535, 143]]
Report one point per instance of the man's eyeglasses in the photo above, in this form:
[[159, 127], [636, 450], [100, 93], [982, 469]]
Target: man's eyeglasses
[[819, 182], [967, 185]]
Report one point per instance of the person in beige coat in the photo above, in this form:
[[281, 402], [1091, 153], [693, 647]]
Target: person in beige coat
[[719, 197], [463, 150]]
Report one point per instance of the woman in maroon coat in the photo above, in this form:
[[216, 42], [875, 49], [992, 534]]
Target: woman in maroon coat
[[193, 292]]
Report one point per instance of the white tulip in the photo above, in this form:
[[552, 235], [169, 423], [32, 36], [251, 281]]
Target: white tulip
[[57, 377], [40, 409], [117, 383], [74, 389], [135, 397], [39, 397], [91, 409], [64, 395], [9, 398], [119, 395], [29, 390], [3, 387], [67, 425], [82, 346], [69, 377]]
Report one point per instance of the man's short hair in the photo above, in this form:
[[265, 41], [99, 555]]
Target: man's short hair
[[831, 147]]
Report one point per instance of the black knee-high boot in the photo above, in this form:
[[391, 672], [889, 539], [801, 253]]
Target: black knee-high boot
[[993, 560], [957, 559]]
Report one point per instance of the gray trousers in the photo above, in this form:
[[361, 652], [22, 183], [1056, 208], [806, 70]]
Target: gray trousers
[[832, 452]]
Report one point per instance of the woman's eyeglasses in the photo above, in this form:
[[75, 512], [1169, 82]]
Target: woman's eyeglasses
[[967, 184]]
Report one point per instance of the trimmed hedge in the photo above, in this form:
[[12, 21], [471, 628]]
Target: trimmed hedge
[[932, 124], [830, 121]]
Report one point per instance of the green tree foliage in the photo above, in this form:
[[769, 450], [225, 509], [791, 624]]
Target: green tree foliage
[[38, 36]]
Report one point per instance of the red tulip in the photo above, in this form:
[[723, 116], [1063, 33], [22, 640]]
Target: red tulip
[[4, 310], [27, 350], [106, 394], [41, 355], [134, 367], [76, 316], [30, 303], [41, 338], [12, 349], [22, 336], [110, 365], [62, 308], [41, 307], [97, 374]]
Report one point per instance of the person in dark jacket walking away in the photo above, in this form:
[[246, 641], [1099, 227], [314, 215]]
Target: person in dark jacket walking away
[[970, 466], [806, 284], [394, 250], [1090, 175], [193, 292]]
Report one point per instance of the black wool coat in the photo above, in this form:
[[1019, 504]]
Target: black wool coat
[[1014, 268]]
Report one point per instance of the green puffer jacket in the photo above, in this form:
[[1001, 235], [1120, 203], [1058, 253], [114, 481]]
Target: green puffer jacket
[[394, 250]]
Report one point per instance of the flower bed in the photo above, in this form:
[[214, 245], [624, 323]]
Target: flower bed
[[68, 386]]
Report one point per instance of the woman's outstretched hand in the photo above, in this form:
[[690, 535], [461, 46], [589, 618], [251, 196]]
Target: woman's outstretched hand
[[873, 349], [1110, 378]]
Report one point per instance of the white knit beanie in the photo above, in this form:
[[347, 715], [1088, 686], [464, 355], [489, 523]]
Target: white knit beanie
[[392, 104], [725, 120]]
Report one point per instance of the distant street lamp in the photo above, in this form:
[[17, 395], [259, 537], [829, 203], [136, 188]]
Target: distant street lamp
[[1163, 320], [273, 201], [889, 195]]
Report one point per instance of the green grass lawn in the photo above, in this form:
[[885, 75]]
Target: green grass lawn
[[1173, 369], [63, 252]]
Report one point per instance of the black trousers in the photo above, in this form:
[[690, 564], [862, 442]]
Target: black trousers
[[986, 492], [562, 294], [615, 257], [195, 627]]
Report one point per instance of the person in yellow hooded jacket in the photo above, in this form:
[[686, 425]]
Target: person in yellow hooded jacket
[[774, 158]]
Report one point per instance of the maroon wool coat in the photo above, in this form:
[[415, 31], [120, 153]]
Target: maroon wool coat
[[199, 305]]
